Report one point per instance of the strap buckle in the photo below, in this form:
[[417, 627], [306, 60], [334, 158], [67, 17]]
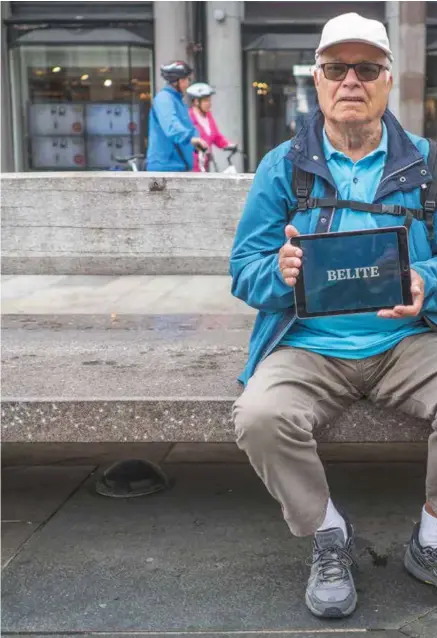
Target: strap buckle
[[392, 209], [429, 206], [302, 198]]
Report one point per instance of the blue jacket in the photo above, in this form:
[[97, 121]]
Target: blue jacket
[[170, 127], [260, 233]]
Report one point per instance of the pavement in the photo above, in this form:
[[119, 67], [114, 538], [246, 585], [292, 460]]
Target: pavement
[[210, 557], [128, 295]]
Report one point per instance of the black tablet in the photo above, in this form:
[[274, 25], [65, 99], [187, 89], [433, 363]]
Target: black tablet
[[351, 272]]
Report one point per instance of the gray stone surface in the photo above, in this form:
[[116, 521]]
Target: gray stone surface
[[177, 419], [213, 554], [33, 494], [80, 453], [130, 295], [13, 536], [206, 453], [144, 378], [423, 627], [231, 634], [113, 223]]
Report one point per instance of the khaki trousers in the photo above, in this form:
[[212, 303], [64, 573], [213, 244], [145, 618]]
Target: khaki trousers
[[294, 389]]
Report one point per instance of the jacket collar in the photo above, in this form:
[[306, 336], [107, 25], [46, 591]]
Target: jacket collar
[[173, 91], [405, 166]]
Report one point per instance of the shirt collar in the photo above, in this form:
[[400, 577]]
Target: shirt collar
[[329, 150]]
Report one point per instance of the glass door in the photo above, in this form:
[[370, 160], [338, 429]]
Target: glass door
[[281, 93]]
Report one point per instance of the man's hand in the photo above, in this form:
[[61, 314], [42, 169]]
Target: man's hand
[[290, 258], [197, 142], [418, 293]]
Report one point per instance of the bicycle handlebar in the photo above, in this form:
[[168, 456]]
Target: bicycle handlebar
[[129, 158]]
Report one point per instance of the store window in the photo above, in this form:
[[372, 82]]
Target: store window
[[78, 107], [281, 94]]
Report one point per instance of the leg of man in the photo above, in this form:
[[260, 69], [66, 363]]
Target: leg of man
[[408, 381], [291, 391]]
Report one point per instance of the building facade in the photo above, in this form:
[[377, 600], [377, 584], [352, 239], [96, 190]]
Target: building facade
[[78, 77]]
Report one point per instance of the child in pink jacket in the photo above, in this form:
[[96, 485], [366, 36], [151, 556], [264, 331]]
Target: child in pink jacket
[[201, 116]]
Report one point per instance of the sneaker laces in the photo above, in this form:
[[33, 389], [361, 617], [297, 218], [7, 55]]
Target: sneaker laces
[[430, 554], [334, 563]]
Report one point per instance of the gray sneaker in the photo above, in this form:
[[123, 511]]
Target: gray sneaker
[[420, 561], [331, 591]]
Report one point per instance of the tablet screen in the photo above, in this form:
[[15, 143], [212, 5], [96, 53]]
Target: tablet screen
[[355, 272]]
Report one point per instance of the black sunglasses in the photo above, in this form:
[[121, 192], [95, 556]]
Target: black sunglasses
[[365, 71]]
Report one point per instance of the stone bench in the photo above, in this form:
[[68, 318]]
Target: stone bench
[[155, 377], [151, 378]]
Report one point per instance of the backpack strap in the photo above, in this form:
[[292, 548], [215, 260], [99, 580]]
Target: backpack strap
[[301, 185], [428, 196]]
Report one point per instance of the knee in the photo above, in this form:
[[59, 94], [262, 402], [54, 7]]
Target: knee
[[264, 423], [255, 423]]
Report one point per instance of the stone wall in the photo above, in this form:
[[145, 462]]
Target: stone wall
[[119, 223]]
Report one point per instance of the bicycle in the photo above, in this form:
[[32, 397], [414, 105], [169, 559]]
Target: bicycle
[[204, 156], [129, 163]]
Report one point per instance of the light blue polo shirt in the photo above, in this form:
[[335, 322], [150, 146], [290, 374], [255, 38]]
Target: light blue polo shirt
[[361, 335]]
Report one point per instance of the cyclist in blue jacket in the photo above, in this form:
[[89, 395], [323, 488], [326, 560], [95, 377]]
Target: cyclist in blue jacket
[[172, 135]]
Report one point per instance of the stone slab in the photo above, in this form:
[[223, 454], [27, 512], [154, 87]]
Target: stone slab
[[14, 535], [235, 634], [150, 378], [87, 295], [345, 452], [212, 555], [113, 224], [423, 627], [80, 453], [205, 453], [33, 494], [179, 420]]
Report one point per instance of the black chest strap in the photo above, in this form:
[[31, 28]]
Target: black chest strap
[[302, 186], [428, 196]]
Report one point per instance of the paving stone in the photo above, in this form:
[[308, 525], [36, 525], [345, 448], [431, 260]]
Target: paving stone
[[424, 627], [32, 494], [206, 453], [13, 537], [231, 634], [212, 555]]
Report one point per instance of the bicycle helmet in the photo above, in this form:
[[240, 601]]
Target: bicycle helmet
[[200, 90], [174, 71]]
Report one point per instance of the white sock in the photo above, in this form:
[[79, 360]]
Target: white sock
[[428, 530], [333, 519]]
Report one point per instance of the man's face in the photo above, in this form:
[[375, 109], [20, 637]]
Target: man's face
[[351, 101], [184, 83]]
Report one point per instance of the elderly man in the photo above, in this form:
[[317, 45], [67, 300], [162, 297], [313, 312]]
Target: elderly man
[[305, 372]]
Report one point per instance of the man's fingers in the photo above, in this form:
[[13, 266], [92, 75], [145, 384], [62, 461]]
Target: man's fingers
[[290, 251], [290, 273], [399, 312], [290, 262], [291, 231], [290, 281]]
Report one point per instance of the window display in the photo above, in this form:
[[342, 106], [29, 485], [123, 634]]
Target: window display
[[81, 105]]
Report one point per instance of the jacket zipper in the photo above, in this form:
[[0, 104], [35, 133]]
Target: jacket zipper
[[275, 342]]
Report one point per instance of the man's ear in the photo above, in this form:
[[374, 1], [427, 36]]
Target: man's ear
[[316, 72], [390, 82]]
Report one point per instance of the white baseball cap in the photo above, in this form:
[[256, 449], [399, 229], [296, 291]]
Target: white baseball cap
[[351, 27]]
